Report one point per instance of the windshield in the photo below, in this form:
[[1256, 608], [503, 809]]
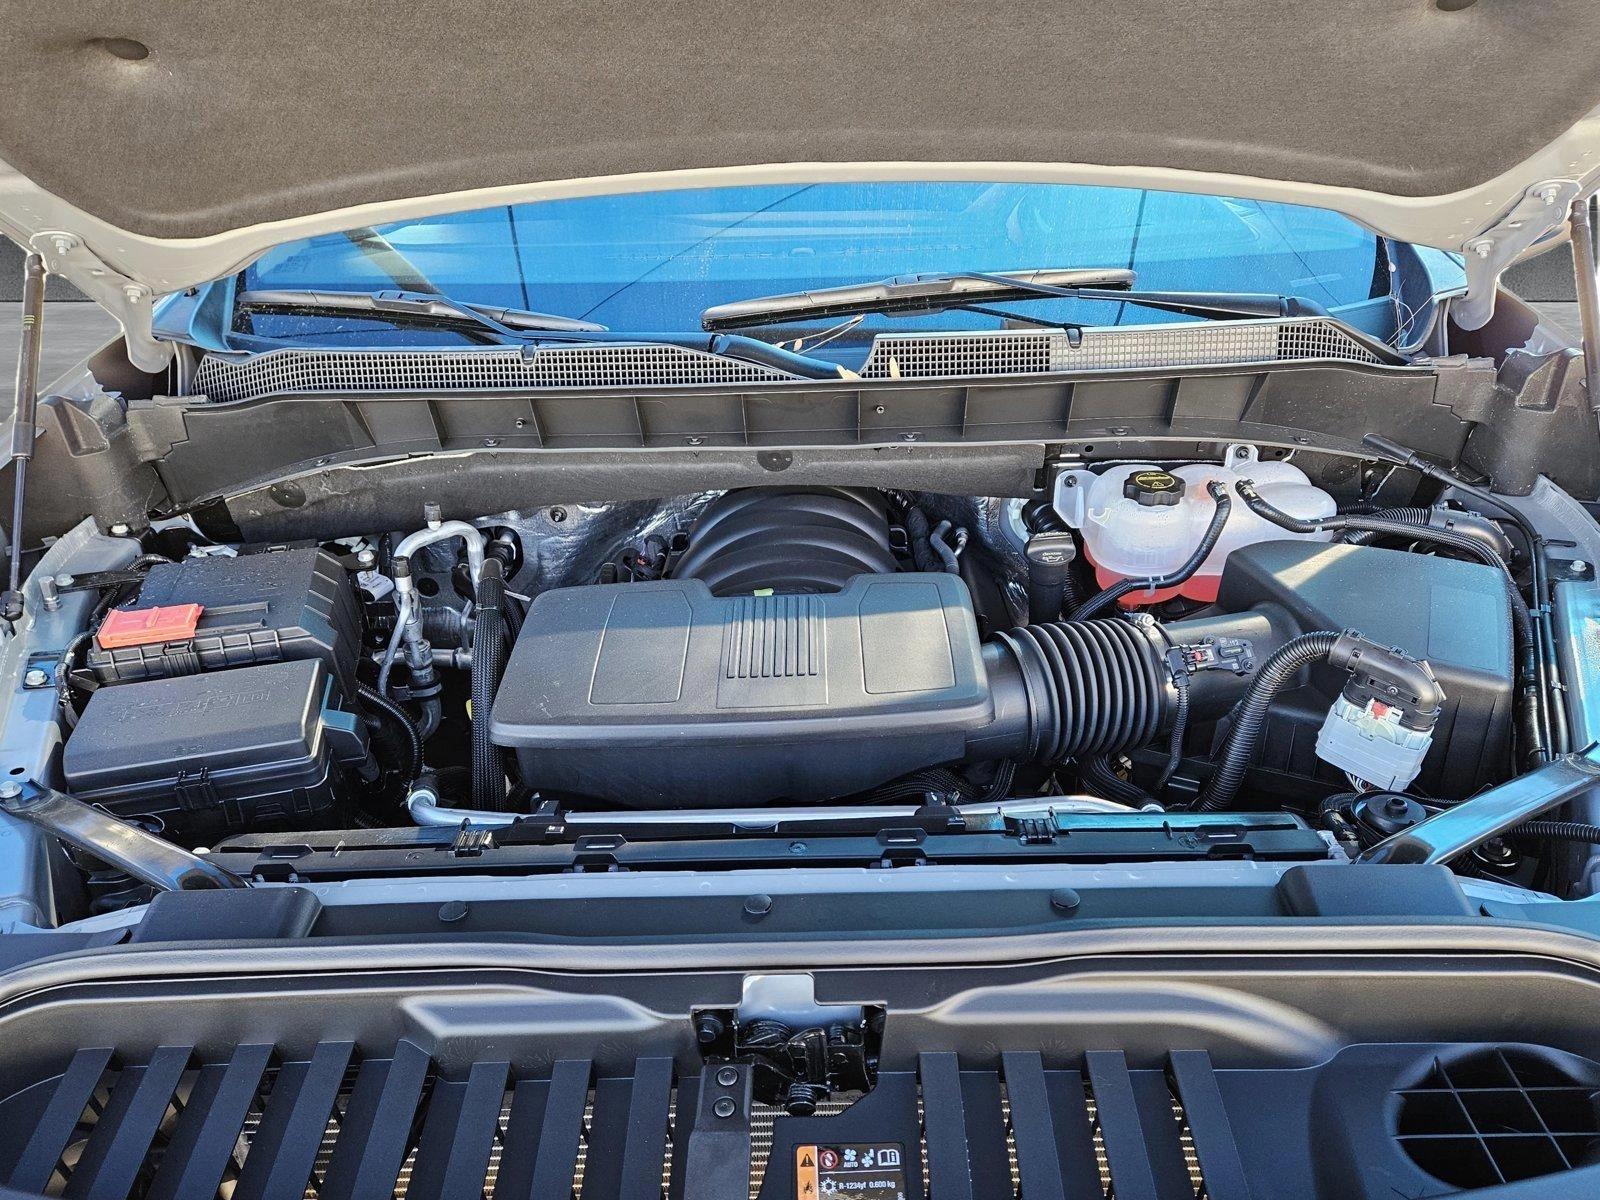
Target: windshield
[[652, 262]]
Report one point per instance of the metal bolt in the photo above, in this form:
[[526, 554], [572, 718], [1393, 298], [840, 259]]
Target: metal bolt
[[1579, 566], [36, 677], [47, 590], [491, 443], [1549, 194], [558, 514], [133, 293], [724, 1108], [432, 515], [694, 439], [727, 1076], [1482, 249], [879, 409], [63, 580], [366, 559], [522, 422], [10, 790], [64, 244], [120, 529], [909, 436]]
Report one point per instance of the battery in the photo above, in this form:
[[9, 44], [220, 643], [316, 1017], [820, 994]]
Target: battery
[[222, 752], [279, 606]]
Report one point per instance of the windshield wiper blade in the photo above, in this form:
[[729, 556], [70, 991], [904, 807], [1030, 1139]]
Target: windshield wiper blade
[[520, 327], [911, 293], [505, 324]]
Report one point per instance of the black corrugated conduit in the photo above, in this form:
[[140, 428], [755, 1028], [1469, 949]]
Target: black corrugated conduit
[[1250, 716], [401, 720]]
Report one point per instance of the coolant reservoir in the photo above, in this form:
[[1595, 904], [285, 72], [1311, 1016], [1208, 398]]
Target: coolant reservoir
[[1139, 521]]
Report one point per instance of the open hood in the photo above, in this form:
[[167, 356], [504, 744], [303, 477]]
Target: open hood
[[146, 150]]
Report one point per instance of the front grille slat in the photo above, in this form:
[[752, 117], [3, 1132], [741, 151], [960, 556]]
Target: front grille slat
[[458, 1135], [259, 1122], [544, 1134], [1127, 1154], [376, 1131], [642, 1148], [126, 1130], [197, 1158], [33, 1168], [285, 1146], [1214, 1143], [945, 1119]]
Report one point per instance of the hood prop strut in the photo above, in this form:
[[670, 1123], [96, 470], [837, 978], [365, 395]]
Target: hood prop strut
[[1581, 224], [23, 419]]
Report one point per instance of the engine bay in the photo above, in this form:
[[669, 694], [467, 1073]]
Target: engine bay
[[1170, 639]]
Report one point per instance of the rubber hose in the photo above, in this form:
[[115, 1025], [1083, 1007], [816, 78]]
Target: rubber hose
[[1463, 524], [1093, 687], [488, 763], [402, 721], [1558, 831], [1104, 782], [1251, 716], [1182, 575]]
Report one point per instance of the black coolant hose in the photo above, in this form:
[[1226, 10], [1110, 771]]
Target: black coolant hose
[[1466, 524], [488, 659], [1250, 716], [1091, 689], [401, 720], [1182, 575]]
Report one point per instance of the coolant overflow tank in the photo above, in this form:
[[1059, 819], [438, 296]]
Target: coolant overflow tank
[[1141, 520]]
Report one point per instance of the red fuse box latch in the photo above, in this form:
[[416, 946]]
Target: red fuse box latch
[[146, 626]]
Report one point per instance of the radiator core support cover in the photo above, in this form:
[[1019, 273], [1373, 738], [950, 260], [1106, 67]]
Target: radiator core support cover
[[663, 695]]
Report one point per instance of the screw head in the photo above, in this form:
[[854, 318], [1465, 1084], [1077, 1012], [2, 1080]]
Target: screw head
[[758, 905], [727, 1076], [36, 677], [120, 529], [725, 1108], [10, 790], [1579, 566]]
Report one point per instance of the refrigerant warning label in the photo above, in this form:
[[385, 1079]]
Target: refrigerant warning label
[[862, 1171]]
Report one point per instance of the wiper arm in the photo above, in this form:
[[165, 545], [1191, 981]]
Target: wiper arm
[[504, 324], [963, 289], [520, 327]]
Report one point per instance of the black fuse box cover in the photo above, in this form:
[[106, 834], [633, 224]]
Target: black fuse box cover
[[218, 752], [662, 694], [278, 606]]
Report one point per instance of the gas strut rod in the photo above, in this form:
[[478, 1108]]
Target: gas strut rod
[[1581, 226], [22, 423]]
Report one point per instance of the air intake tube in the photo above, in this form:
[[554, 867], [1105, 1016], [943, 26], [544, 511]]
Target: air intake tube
[[1077, 690]]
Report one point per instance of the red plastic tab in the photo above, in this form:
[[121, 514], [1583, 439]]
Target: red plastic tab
[[143, 626]]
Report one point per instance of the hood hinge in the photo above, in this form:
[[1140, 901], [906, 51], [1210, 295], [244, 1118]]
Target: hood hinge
[[1542, 210], [130, 302]]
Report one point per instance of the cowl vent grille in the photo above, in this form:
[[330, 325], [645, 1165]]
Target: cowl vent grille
[[344, 372], [1037, 352], [1497, 1116]]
